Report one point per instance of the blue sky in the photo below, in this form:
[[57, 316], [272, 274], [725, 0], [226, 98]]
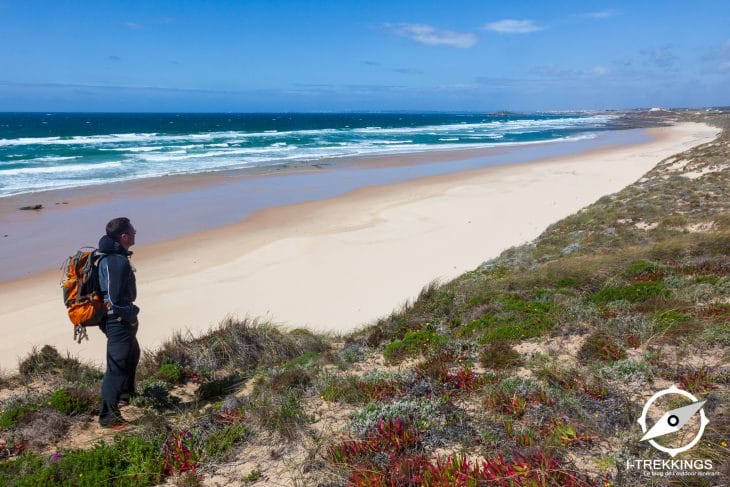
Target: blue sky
[[247, 56]]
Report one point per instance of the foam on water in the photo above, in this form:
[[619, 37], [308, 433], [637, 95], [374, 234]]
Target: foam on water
[[68, 160], [65, 169]]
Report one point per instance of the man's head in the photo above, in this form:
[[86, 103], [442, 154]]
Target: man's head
[[122, 231]]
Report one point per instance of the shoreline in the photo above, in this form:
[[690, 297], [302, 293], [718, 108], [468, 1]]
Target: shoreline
[[337, 263], [215, 199]]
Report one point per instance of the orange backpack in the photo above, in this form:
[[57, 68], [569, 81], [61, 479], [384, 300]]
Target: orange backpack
[[81, 292]]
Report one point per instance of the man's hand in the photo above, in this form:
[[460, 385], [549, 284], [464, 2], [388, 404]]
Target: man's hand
[[80, 333]]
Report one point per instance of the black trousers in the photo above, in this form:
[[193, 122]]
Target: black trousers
[[122, 357]]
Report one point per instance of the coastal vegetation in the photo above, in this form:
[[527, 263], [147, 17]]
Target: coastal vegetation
[[530, 370]]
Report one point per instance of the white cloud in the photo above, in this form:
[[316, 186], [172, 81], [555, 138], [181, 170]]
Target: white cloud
[[408, 71], [603, 14], [132, 25], [512, 26], [555, 73], [431, 36]]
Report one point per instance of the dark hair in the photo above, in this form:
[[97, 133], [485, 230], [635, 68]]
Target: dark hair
[[117, 227]]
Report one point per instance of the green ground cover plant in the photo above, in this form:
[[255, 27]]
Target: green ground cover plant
[[15, 414], [413, 342], [128, 461], [171, 373], [72, 400]]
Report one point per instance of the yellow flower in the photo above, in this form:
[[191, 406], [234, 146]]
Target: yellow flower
[[723, 444]]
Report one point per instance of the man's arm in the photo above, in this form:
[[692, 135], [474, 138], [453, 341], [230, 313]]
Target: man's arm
[[117, 270]]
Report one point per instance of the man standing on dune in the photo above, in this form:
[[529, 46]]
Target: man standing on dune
[[119, 290]]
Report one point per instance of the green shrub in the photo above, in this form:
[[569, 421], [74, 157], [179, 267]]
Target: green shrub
[[567, 282], [664, 320], [45, 360], [49, 361], [440, 301], [485, 321], [155, 394], [639, 291], [235, 345], [601, 346], [519, 319], [216, 388], [413, 342], [500, 355], [290, 378], [307, 341], [14, 415], [717, 333], [572, 271], [252, 476], [348, 389], [171, 373], [129, 461], [478, 300], [418, 412], [18, 471], [351, 353], [628, 370], [283, 413], [371, 386], [697, 293], [220, 442], [71, 401], [644, 269], [709, 279], [514, 331], [668, 250], [307, 359], [520, 385], [524, 307]]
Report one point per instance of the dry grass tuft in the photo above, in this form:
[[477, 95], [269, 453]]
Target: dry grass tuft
[[48, 362]]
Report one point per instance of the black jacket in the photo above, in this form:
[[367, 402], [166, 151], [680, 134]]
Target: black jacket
[[116, 280]]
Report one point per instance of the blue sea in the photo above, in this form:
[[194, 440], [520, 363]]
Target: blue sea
[[43, 151]]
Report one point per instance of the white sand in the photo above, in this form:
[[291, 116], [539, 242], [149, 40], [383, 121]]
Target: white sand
[[340, 263]]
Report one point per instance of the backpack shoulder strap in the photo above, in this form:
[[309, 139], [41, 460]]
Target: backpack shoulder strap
[[96, 259]]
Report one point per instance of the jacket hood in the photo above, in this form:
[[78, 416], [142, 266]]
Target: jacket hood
[[108, 245]]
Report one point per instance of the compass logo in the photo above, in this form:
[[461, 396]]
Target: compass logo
[[673, 420]]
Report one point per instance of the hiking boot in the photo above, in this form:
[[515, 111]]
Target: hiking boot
[[122, 426], [115, 422]]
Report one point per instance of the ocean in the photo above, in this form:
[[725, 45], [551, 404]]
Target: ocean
[[44, 151]]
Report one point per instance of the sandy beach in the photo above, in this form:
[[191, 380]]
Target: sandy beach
[[338, 263]]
